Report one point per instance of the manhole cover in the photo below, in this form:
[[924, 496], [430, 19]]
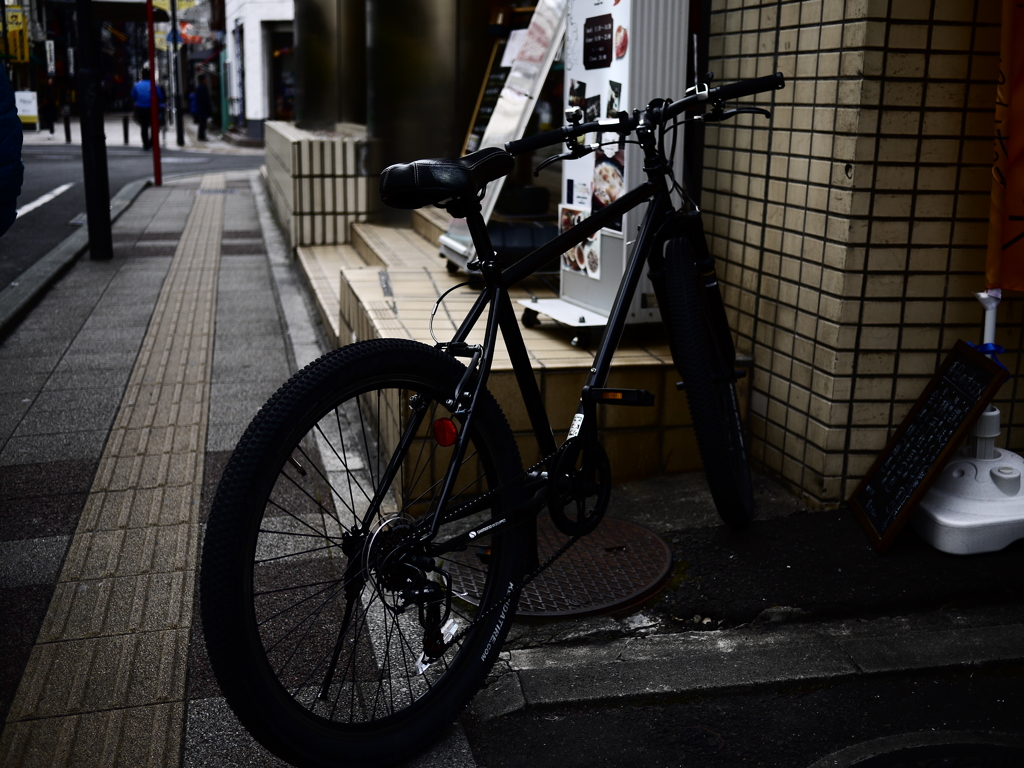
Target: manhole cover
[[932, 749], [617, 566]]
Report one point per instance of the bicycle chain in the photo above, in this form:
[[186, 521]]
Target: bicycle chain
[[517, 589]]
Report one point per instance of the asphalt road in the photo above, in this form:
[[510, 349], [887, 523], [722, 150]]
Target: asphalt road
[[48, 167]]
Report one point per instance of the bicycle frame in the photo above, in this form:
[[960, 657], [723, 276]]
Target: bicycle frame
[[501, 318]]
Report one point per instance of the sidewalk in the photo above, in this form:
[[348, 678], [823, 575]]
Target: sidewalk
[[113, 130], [124, 391]]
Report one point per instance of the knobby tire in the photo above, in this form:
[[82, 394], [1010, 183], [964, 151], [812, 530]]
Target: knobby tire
[[277, 587], [709, 380]]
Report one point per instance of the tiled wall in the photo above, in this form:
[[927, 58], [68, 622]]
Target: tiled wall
[[316, 182], [851, 229]]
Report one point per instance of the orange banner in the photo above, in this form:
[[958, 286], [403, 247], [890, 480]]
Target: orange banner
[[1005, 263]]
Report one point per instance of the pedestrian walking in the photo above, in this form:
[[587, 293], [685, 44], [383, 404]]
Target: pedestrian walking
[[48, 108], [203, 107], [143, 105], [12, 172]]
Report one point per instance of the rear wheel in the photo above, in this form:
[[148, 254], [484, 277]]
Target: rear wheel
[[710, 381], [335, 638]]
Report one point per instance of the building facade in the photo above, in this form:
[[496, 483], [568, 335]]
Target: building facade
[[259, 83], [853, 227]]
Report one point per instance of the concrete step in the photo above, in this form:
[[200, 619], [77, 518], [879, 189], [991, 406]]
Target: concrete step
[[394, 246], [430, 223], [391, 291], [322, 265]]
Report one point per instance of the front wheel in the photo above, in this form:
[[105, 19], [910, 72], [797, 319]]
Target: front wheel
[[335, 638], [710, 382]]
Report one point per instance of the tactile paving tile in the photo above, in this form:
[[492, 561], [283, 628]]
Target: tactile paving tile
[[106, 678]]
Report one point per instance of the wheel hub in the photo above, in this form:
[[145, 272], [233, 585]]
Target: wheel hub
[[388, 554]]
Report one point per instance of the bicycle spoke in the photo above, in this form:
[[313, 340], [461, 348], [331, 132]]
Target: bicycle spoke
[[329, 675], [341, 632], [348, 472]]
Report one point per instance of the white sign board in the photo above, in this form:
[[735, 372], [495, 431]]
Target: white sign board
[[27, 106], [535, 51], [597, 81]]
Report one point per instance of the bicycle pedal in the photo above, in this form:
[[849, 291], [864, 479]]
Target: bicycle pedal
[[621, 396]]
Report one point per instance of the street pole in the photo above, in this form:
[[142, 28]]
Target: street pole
[[154, 118], [7, 60], [94, 147], [179, 123]]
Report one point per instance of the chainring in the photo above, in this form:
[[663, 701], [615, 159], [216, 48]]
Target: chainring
[[576, 477]]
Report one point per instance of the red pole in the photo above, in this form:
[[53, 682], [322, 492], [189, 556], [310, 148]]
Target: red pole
[[153, 108]]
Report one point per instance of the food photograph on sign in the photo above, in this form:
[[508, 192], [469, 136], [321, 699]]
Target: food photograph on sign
[[608, 181], [621, 41], [614, 101], [577, 93], [584, 258]]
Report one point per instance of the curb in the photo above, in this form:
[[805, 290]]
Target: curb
[[746, 657], [16, 298]]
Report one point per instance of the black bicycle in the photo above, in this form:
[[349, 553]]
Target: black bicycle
[[375, 526]]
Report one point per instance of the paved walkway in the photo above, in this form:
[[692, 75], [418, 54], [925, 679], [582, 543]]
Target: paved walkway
[[105, 681], [113, 130], [110, 660]]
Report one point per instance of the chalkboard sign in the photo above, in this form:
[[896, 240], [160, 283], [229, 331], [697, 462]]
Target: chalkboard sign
[[936, 425], [494, 81]]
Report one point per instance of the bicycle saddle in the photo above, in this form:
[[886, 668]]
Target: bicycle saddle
[[429, 182]]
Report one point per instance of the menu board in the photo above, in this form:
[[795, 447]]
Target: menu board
[[528, 68], [489, 93], [597, 81], [936, 425]]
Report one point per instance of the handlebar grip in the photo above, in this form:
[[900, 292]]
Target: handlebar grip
[[731, 91], [538, 140]]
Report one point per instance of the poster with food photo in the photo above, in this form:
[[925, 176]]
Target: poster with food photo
[[609, 183], [584, 258], [614, 99], [577, 94]]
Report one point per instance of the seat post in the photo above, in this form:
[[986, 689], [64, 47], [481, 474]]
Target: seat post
[[472, 212]]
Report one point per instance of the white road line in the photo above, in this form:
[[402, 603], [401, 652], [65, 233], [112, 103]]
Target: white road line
[[44, 199]]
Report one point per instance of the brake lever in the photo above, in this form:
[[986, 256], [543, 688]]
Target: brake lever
[[717, 114], [573, 154]]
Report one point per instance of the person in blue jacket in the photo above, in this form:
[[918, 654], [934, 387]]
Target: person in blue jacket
[[12, 172], [141, 100]]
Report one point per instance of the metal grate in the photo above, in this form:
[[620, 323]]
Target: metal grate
[[618, 566]]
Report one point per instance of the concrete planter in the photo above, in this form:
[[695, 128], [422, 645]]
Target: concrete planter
[[317, 181]]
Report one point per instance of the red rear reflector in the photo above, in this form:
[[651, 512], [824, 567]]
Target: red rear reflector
[[445, 432]]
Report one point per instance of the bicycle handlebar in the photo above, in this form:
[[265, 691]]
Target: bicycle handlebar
[[628, 124], [566, 132], [731, 91]]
